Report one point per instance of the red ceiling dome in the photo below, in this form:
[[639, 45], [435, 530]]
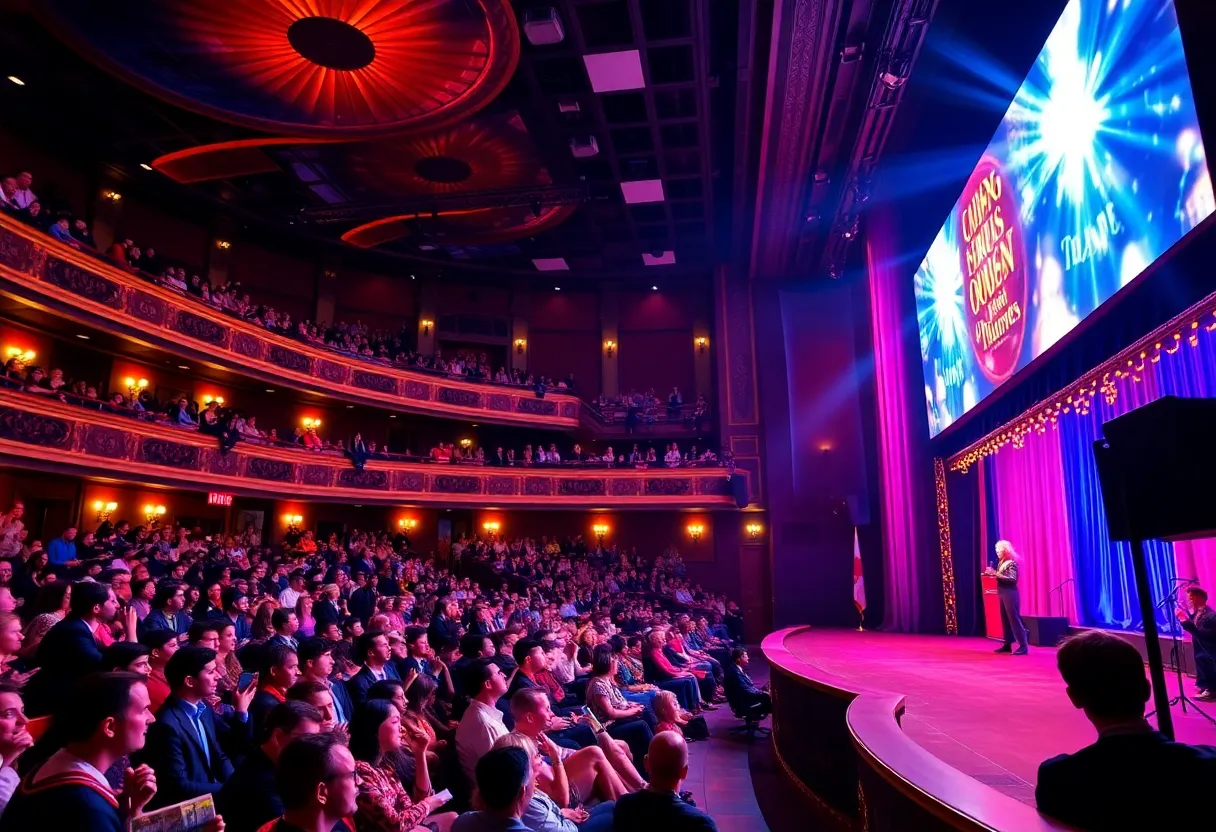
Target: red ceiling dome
[[331, 68]]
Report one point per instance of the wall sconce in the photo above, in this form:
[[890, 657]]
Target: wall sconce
[[695, 530], [134, 387], [466, 443], [26, 356], [491, 526], [208, 399], [152, 512], [407, 524], [426, 325], [520, 343], [104, 510], [309, 422], [113, 196], [292, 519], [600, 530], [754, 530], [329, 274], [610, 347], [702, 343], [223, 244]]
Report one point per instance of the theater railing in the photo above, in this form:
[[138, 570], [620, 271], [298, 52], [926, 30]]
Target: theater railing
[[842, 748], [42, 433], [38, 270]]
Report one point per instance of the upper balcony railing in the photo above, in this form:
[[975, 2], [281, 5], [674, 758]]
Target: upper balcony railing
[[43, 433], [84, 287]]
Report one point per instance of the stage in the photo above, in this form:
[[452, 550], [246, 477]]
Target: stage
[[992, 716]]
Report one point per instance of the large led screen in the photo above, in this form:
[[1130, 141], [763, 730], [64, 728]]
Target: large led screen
[[1096, 170]]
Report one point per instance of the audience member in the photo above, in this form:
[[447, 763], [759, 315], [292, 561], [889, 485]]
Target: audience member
[[660, 807], [505, 785], [250, 797], [317, 784]]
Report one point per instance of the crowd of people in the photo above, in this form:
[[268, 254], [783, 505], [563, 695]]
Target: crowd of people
[[518, 684], [231, 425]]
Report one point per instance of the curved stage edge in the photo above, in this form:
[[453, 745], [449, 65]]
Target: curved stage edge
[[841, 745]]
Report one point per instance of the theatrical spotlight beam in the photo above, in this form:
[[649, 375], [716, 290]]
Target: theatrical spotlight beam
[[902, 42], [547, 196]]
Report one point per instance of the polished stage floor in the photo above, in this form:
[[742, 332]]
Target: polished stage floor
[[994, 717]]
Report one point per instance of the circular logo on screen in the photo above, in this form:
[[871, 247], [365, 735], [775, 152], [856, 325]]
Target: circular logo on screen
[[995, 286]]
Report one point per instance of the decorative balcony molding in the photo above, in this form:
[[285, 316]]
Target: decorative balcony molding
[[47, 274], [46, 434]]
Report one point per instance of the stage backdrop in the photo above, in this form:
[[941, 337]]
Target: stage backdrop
[[1047, 501]]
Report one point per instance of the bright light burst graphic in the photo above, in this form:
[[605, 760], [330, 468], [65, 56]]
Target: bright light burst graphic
[[1102, 147]]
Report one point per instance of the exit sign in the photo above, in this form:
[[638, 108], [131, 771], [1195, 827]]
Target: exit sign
[[215, 498]]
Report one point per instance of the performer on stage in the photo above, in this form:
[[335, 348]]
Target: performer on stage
[[1006, 575], [1200, 622]]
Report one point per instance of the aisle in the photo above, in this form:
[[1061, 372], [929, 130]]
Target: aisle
[[718, 773]]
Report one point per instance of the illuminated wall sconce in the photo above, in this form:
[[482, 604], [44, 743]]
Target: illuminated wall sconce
[[26, 356], [112, 196], [329, 274], [292, 519], [466, 443], [695, 530], [223, 244], [426, 325], [491, 526], [520, 343], [309, 422], [702, 344], [134, 387], [600, 530], [754, 530], [152, 512], [610, 347], [208, 399], [104, 510], [407, 524]]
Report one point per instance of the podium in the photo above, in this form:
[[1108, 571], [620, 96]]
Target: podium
[[992, 609]]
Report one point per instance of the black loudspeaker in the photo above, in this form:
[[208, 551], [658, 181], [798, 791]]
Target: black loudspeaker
[[1045, 630], [738, 487]]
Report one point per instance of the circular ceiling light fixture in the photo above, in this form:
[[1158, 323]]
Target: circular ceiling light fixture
[[331, 43]]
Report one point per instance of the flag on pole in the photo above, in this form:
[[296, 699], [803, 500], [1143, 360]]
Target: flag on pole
[[859, 580]]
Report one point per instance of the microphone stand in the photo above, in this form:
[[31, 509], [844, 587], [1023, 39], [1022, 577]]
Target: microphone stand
[[1171, 599], [1058, 588]]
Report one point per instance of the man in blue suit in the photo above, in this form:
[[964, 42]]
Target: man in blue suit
[[166, 614], [1117, 782], [317, 665], [183, 745], [741, 691], [375, 655], [69, 651]]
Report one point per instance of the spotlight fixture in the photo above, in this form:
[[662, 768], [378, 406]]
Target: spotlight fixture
[[183, 366], [896, 72], [82, 336], [16, 80], [145, 166], [269, 389]]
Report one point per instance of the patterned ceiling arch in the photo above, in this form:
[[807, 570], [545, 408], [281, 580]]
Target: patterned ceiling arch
[[478, 226], [348, 69]]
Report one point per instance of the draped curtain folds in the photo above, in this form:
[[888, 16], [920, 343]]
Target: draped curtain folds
[[1049, 503]]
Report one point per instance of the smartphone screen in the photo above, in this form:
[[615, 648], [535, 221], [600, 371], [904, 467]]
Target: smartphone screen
[[244, 681]]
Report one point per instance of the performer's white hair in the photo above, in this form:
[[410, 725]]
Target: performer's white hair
[[1006, 546]]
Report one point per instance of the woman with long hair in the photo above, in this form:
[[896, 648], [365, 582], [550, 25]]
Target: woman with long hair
[[383, 803], [226, 662], [261, 629], [51, 607], [661, 671], [1006, 574], [308, 624], [627, 721]]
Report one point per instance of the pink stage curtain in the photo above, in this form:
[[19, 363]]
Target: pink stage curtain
[[905, 467], [1197, 559], [1032, 513]]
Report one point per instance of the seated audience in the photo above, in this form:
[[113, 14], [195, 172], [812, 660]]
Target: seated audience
[[316, 781], [482, 722], [505, 786], [250, 798], [374, 651], [741, 691], [542, 813], [1123, 775], [661, 806], [70, 651], [14, 739]]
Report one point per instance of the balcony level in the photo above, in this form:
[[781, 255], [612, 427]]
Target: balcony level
[[43, 433], [40, 272]]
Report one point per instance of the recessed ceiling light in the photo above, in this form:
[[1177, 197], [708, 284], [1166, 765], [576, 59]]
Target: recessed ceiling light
[[392, 415], [16, 80], [82, 336], [474, 425], [643, 190], [557, 288], [614, 71], [183, 367], [145, 166], [413, 278], [350, 407], [654, 288], [269, 389]]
